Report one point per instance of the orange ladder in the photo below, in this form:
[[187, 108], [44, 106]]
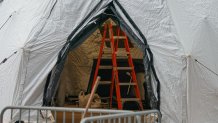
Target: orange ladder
[[114, 41]]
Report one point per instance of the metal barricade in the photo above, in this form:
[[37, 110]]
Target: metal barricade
[[51, 114], [150, 116]]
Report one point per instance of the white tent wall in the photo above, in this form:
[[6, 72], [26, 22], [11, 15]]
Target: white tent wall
[[16, 25], [13, 35], [197, 25], [8, 78], [202, 94], [202, 83], [43, 48], [188, 15]]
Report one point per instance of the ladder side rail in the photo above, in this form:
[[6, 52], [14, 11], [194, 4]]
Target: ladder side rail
[[100, 55], [112, 55], [130, 61], [112, 88], [117, 41], [115, 71]]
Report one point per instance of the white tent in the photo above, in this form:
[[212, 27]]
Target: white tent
[[182, 35]]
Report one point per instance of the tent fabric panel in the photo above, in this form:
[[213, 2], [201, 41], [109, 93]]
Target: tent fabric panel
[[119, 11], [188, 15], [203, 75], [13, 36], [15, 32], [8, 77], [44, 46], [126, 26], [73, 41], [94, 12], [202, 94], [196, 23]]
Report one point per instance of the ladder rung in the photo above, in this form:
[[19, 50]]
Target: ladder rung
[[106, 57], [128, 83], [107, 39], [118, 57], [122, 53], [105, 67], [118, 53], [121, 57], [124, 68], [113, 24], [129, 99], [119, 37], [115, 37], [104, 82], [107, 51]]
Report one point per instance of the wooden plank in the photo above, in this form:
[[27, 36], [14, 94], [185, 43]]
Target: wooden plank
[[91, 96]]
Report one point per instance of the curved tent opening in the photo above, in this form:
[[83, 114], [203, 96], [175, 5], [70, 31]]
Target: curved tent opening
[[80, 65], [84, 30]]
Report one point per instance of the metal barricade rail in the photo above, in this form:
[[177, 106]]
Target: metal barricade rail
[[44, 113], [150, 116]]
